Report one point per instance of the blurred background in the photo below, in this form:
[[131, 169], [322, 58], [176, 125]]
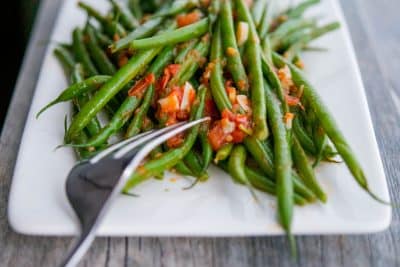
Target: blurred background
[[17, 20]]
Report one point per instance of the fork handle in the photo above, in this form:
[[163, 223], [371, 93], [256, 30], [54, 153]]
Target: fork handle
[[79, 249]]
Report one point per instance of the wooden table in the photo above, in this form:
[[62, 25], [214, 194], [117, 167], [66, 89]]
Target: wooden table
[[376, 34]]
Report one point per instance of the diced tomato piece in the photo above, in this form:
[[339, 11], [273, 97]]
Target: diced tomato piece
[[216, 136], [176, 141], [231, 91], [169, 103], [141, 85], [187, 19], [238, 136], [292, 100]]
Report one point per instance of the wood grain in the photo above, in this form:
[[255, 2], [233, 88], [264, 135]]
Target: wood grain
[[376, 34]]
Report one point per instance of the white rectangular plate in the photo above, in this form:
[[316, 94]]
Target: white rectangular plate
[[38, 204]]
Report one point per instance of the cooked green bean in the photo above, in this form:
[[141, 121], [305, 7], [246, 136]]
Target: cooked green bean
[[188, 46], [93, 126], [231, 50], [65, 57], [223, 153], [134, 6], [282, 164], [77, 89], [287, 28], [100, 59], [216, 78], [135, 126], [305, 170], [298, 10], [127, 18], [206, 149], [119, 119], [180, 35], [193, 162], [258, 10], [264, 184], [192, 62], [144, 30], [236, 164], [81, 54], [329, 124], [183, 169], [111, 27], [253, 52], [266, 21], [314, 34], [110, 89]]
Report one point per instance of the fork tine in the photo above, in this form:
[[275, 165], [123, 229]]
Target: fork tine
[[134, 163], [119, 145]]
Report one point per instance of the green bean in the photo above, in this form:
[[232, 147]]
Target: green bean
[[77, 74], [65, 57], [273, 79], [119, 119], [134, 6], [320, 142], [283, 166], [265, 25], [193, 162], [191, 63], [135, 126], [236, 164], [230, 47], [174, 156], [329, 124], [263, 156], [144, 30], [103, 64], [305, 170], [172, 37], [110, 89], [111, 27], [178, 6], [183, 169], [216, 77], [260, 155], [82, 54], [266, 49], [206, 149], [264, 184], [213, 11], [77, 89], [223, 153], [103, 40], [257, 11], [127, 19], [314, 34], [93, 126], [303, 137], [163, 58], [189, 46], [299, 10], [287, 28], [253, 52]]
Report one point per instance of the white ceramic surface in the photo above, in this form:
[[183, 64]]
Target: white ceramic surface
[[38, 203]]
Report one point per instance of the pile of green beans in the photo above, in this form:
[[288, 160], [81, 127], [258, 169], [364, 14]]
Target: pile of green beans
[[227, 52]]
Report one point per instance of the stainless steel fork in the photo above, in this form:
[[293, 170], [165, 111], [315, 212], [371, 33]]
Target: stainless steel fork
[[93, 184]]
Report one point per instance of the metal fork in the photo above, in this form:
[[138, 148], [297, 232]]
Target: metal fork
[[93, 184]]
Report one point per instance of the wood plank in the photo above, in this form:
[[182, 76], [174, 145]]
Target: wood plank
[[380, 67]]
